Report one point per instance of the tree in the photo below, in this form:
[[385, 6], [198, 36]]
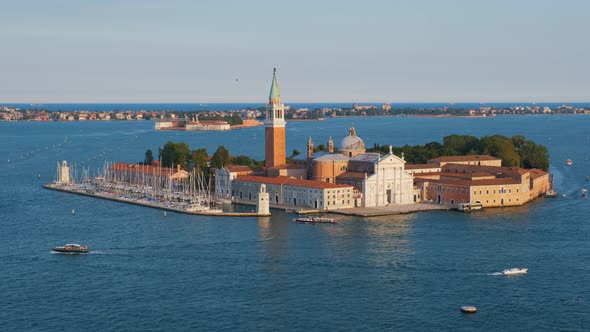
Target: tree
[[534, 155], [460, 144], [175, 154], [149, 157], [501, 147], [220, 158], [243, 160], [320, 147], [199, 158]]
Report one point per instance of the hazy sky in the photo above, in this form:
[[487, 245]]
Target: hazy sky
[[324, 51]]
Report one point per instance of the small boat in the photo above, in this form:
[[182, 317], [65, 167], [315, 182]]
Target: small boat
[[468, 309], [551, 193], [196, 207], [71, 249], [569, 162], [514, 271], [73, 211], [314, 220], [469, 207]]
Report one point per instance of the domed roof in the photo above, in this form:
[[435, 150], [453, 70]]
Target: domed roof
[[352, 142]]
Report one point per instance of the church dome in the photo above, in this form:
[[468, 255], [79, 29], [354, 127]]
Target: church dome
[[352, 142]]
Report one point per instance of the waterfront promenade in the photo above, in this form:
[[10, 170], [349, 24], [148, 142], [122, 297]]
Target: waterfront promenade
[[391, 209]]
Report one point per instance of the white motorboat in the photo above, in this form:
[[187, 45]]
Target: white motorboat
[[515, 270]]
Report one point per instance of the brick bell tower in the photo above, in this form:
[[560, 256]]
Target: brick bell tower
[[274, 124]]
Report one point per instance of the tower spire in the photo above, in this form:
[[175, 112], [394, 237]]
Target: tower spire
[[274, 96]]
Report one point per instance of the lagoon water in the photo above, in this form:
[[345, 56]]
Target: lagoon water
[[148, 272]]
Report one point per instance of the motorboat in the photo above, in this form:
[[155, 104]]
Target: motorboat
[[314, 220], [551, 193], [469, 207], [569, 162], [71, 249], [515, 270], [468, 309]]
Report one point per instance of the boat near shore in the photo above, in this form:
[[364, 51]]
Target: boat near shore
[[71, 248], [515, 271], [315, 220], [551, 193], [470, 207]]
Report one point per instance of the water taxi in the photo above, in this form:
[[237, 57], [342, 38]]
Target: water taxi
[[71, 249], [314, 220], [469, 207], [514, 271]]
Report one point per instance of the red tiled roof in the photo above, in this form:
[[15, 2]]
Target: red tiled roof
[[239, 168], [485, 169], [138, 168], [352, 175], [537, 173], [287, 180], [420, 166], [475, 157]]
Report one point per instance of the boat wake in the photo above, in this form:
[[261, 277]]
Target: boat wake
[[98, 252], [495, 274]]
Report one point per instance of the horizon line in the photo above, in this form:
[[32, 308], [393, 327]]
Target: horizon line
[[308, 102]]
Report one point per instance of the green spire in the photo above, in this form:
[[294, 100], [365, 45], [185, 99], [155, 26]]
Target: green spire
[[274, 88]]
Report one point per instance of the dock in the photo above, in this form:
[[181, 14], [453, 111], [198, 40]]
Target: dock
[[151, 204], [391, 209]]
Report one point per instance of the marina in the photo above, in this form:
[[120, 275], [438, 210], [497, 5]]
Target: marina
[[154, 187]]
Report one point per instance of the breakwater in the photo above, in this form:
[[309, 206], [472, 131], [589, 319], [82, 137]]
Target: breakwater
[[166, 205]]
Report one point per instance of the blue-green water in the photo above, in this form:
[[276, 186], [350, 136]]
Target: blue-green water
[[411, 272]]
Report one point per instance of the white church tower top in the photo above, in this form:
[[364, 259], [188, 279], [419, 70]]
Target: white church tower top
[[275, 110]]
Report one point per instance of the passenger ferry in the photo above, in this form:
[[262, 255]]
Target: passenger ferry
[[71, 249], [314, 220]]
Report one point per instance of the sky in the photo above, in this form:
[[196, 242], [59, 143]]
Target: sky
[[200, 51]]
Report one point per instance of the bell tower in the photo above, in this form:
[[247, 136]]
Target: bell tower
[[274, 124], [309, 147]]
